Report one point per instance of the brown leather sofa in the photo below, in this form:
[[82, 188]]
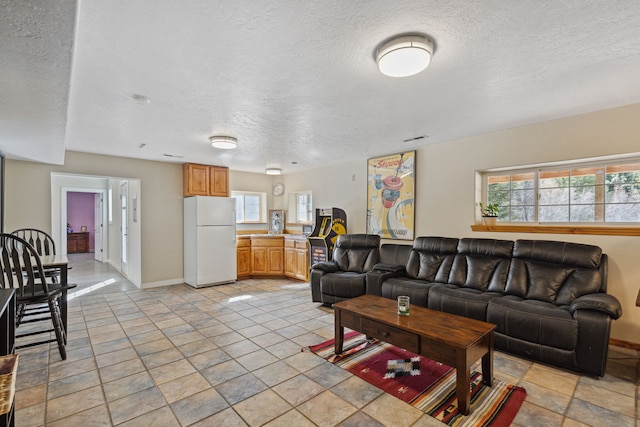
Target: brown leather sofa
[[547, 298]]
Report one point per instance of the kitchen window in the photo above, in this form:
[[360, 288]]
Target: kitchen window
[[251, 207], [304, 208]]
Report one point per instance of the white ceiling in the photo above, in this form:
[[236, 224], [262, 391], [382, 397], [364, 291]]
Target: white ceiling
[[295, 81]]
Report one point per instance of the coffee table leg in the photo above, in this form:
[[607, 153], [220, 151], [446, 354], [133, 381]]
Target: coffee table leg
[[487, 362], [339, 331], [463, 382]]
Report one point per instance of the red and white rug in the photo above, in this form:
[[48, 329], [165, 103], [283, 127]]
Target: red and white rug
[[425, 384]]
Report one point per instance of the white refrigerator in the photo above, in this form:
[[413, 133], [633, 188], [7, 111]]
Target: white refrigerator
[[209, 241]]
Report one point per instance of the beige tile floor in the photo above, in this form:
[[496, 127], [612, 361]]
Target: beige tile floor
[[231, 356]]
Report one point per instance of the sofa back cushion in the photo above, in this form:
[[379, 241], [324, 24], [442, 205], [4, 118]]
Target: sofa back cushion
[[431, 258], [555, 272], [357, 253], [482, 264], [393, 253]]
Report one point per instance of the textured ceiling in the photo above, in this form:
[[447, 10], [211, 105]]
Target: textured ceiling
[[295, 81]]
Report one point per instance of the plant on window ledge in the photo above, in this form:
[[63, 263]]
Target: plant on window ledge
[[489, 213]]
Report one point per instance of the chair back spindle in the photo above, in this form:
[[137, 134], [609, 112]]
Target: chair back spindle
[[21, 267]]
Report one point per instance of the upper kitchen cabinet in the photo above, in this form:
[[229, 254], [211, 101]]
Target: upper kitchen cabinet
[[218, 181], [205, 180]]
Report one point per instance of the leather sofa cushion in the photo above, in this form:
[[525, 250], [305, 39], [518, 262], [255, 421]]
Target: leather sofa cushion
[[564, 273], [481, 264], [417, 290], [356, 260], [392, 253], [357, 253], [534, 321], [566, 253], [431, 258], [343, 284], [462, 301]]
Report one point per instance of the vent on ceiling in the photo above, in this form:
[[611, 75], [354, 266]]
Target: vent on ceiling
[[175, 156], [417, 138]]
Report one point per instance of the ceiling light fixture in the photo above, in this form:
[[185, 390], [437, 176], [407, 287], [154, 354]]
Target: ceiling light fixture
[[223, 142], [273, 171], [404, 56]]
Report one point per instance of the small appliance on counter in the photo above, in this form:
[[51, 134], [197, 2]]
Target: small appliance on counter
[[307, 229]]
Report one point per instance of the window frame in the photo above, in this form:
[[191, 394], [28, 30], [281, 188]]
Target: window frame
[[293, 207], [262, 205], [574, 227], [308, 209]]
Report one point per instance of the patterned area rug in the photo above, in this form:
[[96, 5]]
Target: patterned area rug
[[425, 384]]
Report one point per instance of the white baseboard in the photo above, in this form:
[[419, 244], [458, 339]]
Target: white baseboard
[[162, 283]]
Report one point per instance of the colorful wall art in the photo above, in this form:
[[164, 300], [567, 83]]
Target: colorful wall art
[[390, 195]]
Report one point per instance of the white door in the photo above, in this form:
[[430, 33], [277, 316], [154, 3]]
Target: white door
[[124, 227], [98, 202]]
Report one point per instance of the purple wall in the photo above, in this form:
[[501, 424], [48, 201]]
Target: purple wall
[[80, 211]]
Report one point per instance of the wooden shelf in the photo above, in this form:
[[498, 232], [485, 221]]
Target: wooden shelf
[[559, 229]]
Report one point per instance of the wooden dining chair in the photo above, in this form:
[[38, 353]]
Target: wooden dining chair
[[37, 301], [43, 243]]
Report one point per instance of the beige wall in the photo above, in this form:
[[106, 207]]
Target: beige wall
[[445, 187], [341, 186], [28, 203], [445, 195]]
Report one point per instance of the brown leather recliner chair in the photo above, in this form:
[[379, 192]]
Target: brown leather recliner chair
[[344, 277]]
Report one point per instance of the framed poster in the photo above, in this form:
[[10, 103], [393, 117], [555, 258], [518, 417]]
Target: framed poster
[[390, 195], [276, 221]]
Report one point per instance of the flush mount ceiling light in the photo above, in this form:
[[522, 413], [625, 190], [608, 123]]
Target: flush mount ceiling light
[[223, 142], [273, 171], [404, 56]]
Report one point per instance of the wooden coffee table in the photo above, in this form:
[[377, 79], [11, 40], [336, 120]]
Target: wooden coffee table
[[453, 340]]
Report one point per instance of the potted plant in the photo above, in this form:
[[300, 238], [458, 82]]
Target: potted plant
[[489, 213]]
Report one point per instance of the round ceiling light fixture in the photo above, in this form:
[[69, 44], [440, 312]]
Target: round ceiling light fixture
[[223, 142], [273, 171], [404, 55]]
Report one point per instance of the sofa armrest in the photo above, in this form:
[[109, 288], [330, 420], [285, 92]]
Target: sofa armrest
[[601, 302], [326, 266], [377, 276], [389, 268]]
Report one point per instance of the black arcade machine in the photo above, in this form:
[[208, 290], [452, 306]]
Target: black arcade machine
[[330, 223]]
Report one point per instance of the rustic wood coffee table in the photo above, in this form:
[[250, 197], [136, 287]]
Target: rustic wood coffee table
[[453, 340]]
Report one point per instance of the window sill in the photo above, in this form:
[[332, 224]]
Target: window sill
[[559, 229]]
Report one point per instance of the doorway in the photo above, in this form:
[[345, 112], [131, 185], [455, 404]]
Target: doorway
[[108, 195], [85, 227]]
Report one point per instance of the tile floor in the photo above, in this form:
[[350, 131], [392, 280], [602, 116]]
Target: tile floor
[[230, 356]]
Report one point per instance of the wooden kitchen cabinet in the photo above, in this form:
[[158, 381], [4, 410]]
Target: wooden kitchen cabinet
[[205, 180], [296, 257], [244, 258], [267, 256], [218, 181], [77, 242]]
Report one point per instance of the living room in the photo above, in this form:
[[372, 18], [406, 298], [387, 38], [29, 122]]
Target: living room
[[570, 129]]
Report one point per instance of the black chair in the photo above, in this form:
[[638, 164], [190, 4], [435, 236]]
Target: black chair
[[37, 301], [344, 277], [43, 243]]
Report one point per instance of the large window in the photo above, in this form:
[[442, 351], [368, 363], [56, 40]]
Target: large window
[[250, 207], [579, 193]]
